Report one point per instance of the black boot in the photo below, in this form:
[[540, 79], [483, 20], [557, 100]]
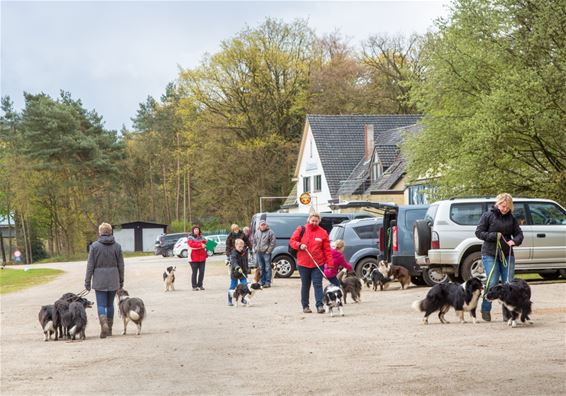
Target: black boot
[[110, 322], [103, 326]]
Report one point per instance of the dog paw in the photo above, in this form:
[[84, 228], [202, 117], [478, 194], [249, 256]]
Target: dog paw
[[513, 324]]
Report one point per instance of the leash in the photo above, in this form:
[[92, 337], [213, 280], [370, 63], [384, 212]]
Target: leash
[[315, 263], [499, 255], [83, 293]]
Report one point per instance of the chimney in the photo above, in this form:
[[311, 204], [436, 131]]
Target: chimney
[[369, 142]]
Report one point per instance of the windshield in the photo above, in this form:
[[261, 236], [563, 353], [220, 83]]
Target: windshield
[[336, 233]]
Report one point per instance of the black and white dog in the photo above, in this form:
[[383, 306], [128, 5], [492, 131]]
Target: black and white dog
[[77, 320], [45, 317], [130, 309], [62, 318], [516, 299], [376, 278], [244, 293], [169, 278], [442, 296], [333, 298]]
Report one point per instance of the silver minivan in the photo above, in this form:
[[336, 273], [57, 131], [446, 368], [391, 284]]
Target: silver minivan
[[446, 239]]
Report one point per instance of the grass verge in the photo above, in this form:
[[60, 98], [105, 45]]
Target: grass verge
[[12, 280]]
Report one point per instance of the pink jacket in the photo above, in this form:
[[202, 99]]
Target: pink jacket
[[339, 263]]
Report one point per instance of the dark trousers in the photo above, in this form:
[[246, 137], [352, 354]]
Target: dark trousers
[[198, 272], [308, 276]]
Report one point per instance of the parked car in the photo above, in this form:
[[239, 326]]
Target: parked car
[[361, 239], [445, 239], [395, 238], [284, 224], [165, 243], [181, 248]]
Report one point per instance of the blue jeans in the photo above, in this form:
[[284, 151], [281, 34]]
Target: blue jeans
[[334, 280], [264, 263], [105, 303], [233, 284], [499, 270], [309, 275]]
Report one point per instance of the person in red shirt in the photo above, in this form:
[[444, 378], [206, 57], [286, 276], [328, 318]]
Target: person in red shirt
[[314, 241], [339, 262], [197, 243]]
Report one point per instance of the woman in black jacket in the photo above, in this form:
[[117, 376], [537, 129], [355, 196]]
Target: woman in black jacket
[[500, 231]]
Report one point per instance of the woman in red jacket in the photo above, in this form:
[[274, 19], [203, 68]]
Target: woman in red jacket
[[197, 243], [315, 240]]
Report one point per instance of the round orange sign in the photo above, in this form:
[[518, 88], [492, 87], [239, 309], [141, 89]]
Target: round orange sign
[[305, 198]]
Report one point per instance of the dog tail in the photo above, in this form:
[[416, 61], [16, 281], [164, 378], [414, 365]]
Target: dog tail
[[48, 326], [418, 305], [73, 330], [134, 315]]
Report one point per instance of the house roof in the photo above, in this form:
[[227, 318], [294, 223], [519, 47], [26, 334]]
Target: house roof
[[389, 177], [340, 140], [387, 154], [291, 201]]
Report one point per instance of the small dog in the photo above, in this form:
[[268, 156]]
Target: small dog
[[376, 278], [395, 272], [45, 317], [244, 293], [130, 308], [442, 296], [350, 284], [61, 315], [516, 299], [169, 278], [77, 320], [333, 299]]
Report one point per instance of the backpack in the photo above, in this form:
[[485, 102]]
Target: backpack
[[292, 251]]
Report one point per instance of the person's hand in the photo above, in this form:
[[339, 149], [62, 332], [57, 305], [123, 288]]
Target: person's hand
[[121, 285], [303, 246], [511, 243], [87, 287]]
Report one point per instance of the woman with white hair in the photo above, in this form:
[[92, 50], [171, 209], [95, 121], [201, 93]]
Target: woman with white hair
[[500, 232]]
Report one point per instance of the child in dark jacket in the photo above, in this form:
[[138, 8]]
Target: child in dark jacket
[[238, 267], [339, 262]]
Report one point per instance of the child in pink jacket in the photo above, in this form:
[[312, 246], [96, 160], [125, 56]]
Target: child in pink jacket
[[339, 262]]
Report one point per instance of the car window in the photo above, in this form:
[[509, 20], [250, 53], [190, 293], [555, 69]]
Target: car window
[[520, 213], [546, 213], [328, 222], [336, 233], [366, 231], [412, 215], [468, 213], [283, 227], [431, 214]]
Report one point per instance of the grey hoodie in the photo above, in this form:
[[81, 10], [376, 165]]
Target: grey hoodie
[[105, 265], [264, 241]]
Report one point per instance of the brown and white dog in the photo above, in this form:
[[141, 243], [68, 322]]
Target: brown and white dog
[[169, 278], [395, 272], [350, 283]]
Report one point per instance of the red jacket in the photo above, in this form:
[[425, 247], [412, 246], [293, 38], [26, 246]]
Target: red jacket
[[198, 249], [318, 244]]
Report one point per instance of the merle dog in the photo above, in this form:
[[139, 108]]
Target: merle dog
[[516, 299], [45, 317]]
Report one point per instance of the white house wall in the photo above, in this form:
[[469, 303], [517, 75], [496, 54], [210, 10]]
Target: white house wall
[[311, 165], [125, 237], [149, 237]]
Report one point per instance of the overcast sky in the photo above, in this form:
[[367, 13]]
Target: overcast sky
[[112, 55]]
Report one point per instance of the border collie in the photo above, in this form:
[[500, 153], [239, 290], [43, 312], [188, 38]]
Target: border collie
[[442, 296], [333, 299], [395, 272], [130, 308], [77, 320], [376, 278], [61, 315], [516, 299], [350, 284], [45, 317], [244, 293], [169, 278]]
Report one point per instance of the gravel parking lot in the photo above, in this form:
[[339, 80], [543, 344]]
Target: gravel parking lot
[[193, 343]]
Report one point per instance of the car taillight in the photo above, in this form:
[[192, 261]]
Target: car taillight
[[435, 241], [394, 239], [382, 239]]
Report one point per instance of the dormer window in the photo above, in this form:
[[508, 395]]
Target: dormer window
[[376, 171]]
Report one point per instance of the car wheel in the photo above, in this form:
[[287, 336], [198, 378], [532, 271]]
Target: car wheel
[[366, 267], [562, 272], [418, 280], [472, 267], [184, 253], [552, 275], [283, 266], [433, 276], [421, 237]]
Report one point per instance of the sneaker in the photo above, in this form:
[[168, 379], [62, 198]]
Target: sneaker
[[267, 285], [320, 310], [486, 316], [230, 304], [201, 288], [307, 310]]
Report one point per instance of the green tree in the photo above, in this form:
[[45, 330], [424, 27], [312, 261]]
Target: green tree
[[494, 100]]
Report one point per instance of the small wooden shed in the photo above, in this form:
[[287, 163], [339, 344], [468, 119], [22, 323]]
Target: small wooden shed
[[138, 236]]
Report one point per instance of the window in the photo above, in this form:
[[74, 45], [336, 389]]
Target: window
[[412, 215], [546, 213], [520, 213], [376, 171], [336, 233], [366, 231], [317, 183], [306, 184], [466, 213]]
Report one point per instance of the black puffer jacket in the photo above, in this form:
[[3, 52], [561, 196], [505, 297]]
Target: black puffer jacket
[[492, 222], [238, 260], [105, 265]]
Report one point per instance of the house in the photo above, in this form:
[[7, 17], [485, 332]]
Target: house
[[138, 236], [332, 149]]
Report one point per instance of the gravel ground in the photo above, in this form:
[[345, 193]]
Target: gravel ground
[[193, 343]]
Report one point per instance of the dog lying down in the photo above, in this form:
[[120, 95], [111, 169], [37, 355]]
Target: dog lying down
[[333, 299], [442, 296], [516, 299], [244, 293], [130, 309]]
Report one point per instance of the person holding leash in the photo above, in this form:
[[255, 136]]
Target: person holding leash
[[197, 243], [500, 232], [238, 267], [105, 269], [313, 251]]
